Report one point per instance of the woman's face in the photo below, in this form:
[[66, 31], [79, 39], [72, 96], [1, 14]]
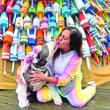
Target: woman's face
[[64, 41]]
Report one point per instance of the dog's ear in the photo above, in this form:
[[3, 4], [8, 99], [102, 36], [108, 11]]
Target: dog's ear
[[37, 49]]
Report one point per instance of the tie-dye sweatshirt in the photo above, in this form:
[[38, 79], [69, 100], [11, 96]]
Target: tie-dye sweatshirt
[[66, 78]]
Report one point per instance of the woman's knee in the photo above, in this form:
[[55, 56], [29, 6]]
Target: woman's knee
[[44, 95], [78, 104], [39, 97]]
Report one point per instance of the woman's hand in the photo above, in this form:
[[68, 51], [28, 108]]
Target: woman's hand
[[38, 76]]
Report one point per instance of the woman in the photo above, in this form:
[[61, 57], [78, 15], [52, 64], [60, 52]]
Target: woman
[[65, 69]]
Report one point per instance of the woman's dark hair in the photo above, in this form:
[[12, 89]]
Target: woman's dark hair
[[75, 41]]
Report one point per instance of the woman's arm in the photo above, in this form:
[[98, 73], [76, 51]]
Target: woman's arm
[[70, 70], [72, 67]]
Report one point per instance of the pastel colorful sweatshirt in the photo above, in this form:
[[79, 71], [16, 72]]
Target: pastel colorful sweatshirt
[[66, 66]]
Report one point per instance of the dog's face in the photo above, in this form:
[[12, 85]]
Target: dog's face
[[40, 61], [46, 53]]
